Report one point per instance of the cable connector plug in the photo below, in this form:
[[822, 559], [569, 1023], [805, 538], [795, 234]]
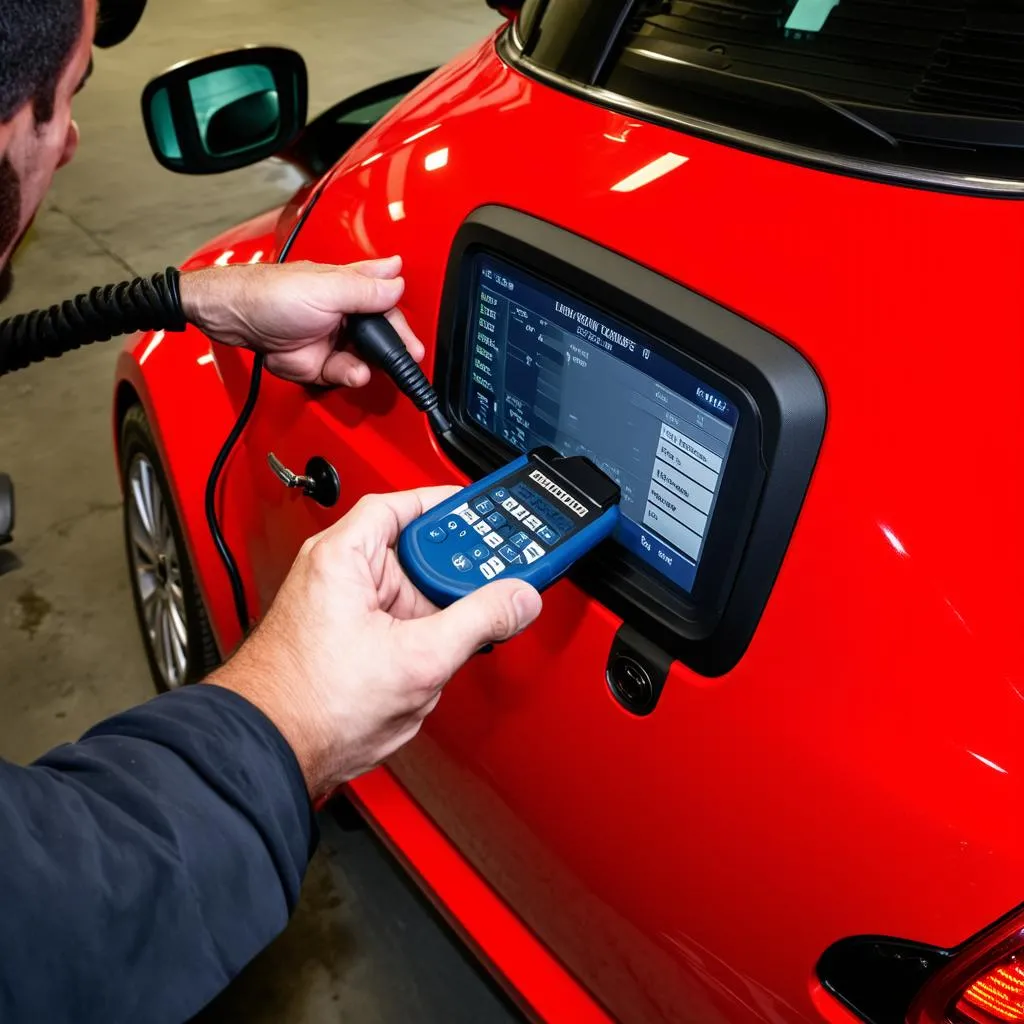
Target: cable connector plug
[[379, 344]]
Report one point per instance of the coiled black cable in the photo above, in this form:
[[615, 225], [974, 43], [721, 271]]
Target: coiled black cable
[[145, 304], [154, 303]]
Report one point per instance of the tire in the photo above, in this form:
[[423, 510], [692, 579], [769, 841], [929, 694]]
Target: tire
[[175, 629]]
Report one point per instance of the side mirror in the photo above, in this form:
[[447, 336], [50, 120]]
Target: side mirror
[[226, 111]]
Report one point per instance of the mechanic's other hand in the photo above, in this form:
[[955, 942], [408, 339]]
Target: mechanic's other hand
[[351, 657], [295, 313]]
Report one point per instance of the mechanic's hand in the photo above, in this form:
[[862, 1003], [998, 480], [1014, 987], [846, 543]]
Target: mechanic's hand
[[351, 657], [295, 313]]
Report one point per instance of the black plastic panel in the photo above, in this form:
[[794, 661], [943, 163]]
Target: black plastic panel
[[636, 671], [776, 444], [877, 977]]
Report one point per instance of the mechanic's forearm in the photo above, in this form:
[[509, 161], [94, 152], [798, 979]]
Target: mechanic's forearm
[[264, 681], [142, 867], [200, 294]]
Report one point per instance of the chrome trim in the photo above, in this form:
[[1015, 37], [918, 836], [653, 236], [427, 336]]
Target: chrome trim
[[513, 29], [992, 188]]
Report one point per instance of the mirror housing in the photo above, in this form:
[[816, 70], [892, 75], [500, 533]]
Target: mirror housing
[[6, 508], [227, 110], [116, 20]]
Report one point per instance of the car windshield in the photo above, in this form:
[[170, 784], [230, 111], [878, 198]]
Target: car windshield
[[935, 84]]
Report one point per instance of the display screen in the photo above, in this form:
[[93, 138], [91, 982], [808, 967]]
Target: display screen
[[545, 368]]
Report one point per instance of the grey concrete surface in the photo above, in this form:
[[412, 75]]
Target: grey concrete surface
[[68, 641]]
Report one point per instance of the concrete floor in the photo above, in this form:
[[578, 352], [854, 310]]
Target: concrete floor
[[361, 948]]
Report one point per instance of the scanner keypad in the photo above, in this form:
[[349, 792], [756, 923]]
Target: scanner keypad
[[505, 531], [505, 526]]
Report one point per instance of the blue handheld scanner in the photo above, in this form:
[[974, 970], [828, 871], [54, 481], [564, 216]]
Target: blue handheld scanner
[[530, 520]]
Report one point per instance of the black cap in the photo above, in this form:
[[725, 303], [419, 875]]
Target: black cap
[[117, 21]]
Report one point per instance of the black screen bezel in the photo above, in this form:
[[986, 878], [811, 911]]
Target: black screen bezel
[[710, 627]]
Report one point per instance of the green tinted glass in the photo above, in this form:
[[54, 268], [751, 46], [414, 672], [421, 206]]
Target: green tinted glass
[[163, 125], [236, 109]]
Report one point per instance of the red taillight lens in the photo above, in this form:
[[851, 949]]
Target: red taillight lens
[[996, 995], [982, 984]]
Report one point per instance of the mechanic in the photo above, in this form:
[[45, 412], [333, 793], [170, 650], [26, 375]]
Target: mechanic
[[143, 866]]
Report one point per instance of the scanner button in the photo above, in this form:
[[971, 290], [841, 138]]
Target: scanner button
[[469, 516], [483, 505], [532, 523], [499, 494], [496, 519], [496, 564], [482, 528], [510, 554], [494, 540], [437, 533], [462, 562], [519, 540], [488, 572], [520, 513], [547, 535], [480, 553], [532, 552], [452, 524]]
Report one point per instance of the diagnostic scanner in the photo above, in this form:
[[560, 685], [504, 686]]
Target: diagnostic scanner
[[531, 520]]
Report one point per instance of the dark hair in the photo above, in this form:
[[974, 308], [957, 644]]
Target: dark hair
[[36, 40]]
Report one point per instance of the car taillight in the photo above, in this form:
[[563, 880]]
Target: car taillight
[[998, 993], [982, 984]]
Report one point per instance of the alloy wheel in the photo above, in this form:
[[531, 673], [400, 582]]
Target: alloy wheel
[[154, 561]]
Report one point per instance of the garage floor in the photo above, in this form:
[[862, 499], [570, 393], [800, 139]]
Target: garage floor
[[362, 948]]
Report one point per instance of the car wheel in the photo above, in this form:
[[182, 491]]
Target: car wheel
[[172, 619]]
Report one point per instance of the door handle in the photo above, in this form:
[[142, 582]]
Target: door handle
[[319, 482], [285, 475]]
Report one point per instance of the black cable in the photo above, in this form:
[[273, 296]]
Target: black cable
[[379, 344], [145, 304], [149, 304], [212, 520], [212, 481]]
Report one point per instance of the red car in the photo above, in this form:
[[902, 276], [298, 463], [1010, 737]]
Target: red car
[[759, 758]]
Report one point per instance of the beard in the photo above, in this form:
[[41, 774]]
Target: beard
[[10, 220]]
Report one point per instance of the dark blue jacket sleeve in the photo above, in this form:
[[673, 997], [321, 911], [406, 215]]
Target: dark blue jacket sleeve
[[142, 867]]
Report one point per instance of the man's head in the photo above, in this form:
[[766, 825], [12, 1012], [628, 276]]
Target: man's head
[[45, 56]]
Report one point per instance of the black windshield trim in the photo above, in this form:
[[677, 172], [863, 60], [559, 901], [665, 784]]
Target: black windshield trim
[[510, 50]]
